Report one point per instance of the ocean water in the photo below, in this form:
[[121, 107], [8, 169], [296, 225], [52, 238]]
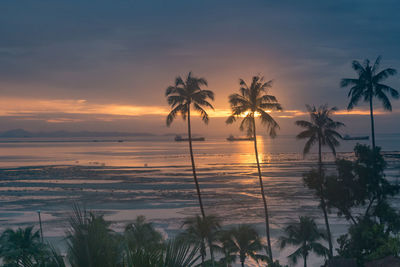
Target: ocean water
[[152, 176]]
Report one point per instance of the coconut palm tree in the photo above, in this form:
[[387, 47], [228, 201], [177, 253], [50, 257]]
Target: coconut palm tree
[[368, 85], [225, 246], [21, 247], [91, 242], [254, 102], [141, 235], [304, 234], [245, 242], [201, 231], [321, 129], [175, 253], [182, 96]]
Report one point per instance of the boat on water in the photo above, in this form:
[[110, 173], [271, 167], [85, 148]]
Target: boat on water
[[348, 137], [179, 138], [232, 138]]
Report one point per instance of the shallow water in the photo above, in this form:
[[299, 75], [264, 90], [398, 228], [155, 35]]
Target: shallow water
[[152, 176]]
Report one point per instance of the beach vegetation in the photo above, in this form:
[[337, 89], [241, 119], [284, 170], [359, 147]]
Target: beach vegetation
[[368, 85], [254, 101]]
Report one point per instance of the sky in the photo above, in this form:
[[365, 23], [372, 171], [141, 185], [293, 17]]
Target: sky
[[104, 65]]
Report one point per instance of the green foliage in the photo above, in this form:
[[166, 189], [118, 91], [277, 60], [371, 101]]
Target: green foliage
[[251, 101], [362, 185], [320, 129], [23, 248], [304, 235], [239, 242], [202, 232], [246, 242], [363, 199], [91, 242], [368, 241], [224, 246], [186, 93], [368, 84], [142, 235]]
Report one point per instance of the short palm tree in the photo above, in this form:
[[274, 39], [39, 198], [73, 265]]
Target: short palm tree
[[141, 235], [246, 242], [182, 96], [368, 85], [304, 235], [226, 247], [321, 129], [91, 242], [175, 253], [21, 247], [251, 102], [202, 232]]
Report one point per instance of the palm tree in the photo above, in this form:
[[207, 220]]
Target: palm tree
[[181, 97], [21, 247], [305, 235], [225, 246], [201, 231], [141, 235], [175, 253], [252, 102], [321, 129], [368, 85], [91, 242], [245, 242]]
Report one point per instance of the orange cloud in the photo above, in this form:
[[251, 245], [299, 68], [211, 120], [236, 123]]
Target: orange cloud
[[20, 107]]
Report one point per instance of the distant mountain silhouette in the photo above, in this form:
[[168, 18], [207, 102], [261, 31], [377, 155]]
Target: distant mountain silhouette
[[21, 133]]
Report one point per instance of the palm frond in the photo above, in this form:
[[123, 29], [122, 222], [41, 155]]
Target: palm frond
[[385, 100], [304, 124], [383, 74], [269, 122], [173, 113], [376, 64], [348, 81], [203, 113]]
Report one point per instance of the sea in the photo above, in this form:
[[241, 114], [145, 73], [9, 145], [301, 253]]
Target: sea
[[122, 178]]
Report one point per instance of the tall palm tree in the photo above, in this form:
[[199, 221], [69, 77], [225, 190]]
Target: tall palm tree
[[201, 231], [251, 102], [368, 85], [304, 234], [321, 129], [182, 96], [246, 242]]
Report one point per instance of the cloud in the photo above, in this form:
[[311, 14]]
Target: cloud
[[119, 56]]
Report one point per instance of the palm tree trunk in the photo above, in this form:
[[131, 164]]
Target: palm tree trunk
[[323, 204], [371, 109], [195, 179], [242, 262], [193, 165], [305, 260], [262, 192], [328, 229]]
